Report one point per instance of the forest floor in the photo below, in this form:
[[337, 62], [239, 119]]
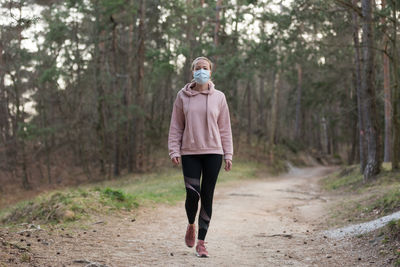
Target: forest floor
[[268, 221]]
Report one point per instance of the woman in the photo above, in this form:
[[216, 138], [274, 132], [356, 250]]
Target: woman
[[200, 133]]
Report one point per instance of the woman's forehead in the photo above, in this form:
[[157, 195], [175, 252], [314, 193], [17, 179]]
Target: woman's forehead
[[202, 62]]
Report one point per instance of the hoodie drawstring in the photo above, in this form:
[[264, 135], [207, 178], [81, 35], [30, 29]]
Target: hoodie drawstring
[[190, 126], [208, 121]]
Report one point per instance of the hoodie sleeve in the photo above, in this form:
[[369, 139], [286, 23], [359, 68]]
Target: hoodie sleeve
[[176, 128], [224, 124]]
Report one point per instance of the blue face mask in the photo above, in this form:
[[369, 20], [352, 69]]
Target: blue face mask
[[201, 76]]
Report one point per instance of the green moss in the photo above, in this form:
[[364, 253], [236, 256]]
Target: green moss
[[25, 257], [386, 166]]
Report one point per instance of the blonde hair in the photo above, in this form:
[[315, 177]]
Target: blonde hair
[[201, 58]]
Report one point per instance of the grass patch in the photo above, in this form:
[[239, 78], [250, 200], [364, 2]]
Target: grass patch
[[67, 206], [126, 193], [392, 235], [167, 186], [365, 200], [25, 257], [118, 198], [348, 179], [388, 202], [394, 229]]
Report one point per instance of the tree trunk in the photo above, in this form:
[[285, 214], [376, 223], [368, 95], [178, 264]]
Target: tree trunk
[[352, 154], [100, 124], [316, 135], [187, 72], [216, 29], [297, 128], [387, 92], [235, 81], [360, 95], [5, 136], [275, 105], [262, 118], [249, 117], [128, 101], [217, 22], [20, 113], [367, 84], [112, 171], [396, 93], [44, 120], [353, 125], [4, 124], [324, 136], [139, 129]]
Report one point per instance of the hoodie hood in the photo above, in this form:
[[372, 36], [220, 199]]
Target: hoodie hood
[[188, 90]]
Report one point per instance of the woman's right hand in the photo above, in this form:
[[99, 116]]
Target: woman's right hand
[[176, 161]]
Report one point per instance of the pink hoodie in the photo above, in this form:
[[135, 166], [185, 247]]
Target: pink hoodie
[[200, 123]]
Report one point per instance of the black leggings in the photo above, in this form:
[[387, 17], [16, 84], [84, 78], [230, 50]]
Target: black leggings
[[193, 166]]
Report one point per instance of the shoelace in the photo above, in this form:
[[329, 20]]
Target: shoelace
[[202, 245], [191, 229]]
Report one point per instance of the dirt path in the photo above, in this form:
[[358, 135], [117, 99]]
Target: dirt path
[[266, 222]]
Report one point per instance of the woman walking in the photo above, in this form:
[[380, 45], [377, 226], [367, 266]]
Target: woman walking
[[200, 134]]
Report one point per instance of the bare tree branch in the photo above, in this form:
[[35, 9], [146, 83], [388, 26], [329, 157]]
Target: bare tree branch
[[349, 5]]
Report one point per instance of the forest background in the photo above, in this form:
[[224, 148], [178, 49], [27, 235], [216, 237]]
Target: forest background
[[87, 87]]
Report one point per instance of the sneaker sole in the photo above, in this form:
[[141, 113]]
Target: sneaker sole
[[201, 256], [190, 246]]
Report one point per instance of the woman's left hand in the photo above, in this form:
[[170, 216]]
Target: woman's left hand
[[228, 165]]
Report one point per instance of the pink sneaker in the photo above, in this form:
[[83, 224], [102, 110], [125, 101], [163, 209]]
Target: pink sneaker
[[190, 235], [201, 249]]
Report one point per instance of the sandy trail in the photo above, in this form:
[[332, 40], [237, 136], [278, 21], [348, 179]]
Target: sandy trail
[[264, 222]]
